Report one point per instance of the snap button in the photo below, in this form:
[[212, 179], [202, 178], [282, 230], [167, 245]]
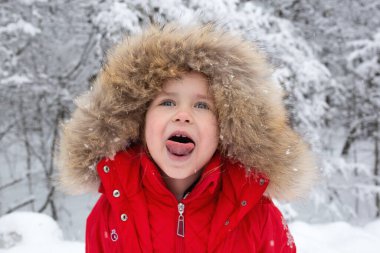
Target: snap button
[[227, 223], [262, 181], [243, 203], [116, 193], [124, 217], [106, 169]]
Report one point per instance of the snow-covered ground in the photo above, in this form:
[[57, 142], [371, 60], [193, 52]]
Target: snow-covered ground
[[337, 237], [23, 232], [38, 233]]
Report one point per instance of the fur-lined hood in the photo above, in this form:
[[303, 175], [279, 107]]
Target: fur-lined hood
[[253, 122]]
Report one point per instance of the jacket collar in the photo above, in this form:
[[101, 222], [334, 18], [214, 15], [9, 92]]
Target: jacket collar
[[206, 186]]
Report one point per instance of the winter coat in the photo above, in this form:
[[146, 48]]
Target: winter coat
[[224, 212], [254, 133]]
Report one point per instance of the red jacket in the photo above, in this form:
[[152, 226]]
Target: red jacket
[[225, 211]]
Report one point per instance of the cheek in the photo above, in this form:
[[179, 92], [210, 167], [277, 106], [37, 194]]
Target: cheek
[[211, 131], [154, 128]]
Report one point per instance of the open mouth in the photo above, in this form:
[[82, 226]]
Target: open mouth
[[180, 144]]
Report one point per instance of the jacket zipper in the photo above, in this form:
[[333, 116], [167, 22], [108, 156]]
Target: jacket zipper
[[181, 226], [181, 220]]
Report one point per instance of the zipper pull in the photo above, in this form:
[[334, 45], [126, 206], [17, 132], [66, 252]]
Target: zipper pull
[[181, 220]]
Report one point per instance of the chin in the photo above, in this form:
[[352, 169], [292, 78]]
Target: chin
[[176, 173]]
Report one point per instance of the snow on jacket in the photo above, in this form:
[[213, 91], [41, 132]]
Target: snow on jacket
[[225, 211], [254, 133]]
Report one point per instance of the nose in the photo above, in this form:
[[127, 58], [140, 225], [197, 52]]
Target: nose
[[183, 116]]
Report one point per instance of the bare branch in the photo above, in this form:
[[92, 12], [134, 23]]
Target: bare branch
[[9, 184], [47, 200], [28, 201]]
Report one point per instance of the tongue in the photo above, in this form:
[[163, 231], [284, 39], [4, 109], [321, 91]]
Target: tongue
[[178, 148]]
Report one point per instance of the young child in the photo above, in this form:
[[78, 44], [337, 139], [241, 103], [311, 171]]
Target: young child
[[186, 138]]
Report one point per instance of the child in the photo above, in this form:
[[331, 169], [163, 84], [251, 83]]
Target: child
[[191, 141]]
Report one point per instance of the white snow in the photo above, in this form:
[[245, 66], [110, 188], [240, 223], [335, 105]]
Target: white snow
[[30, 2], [15, 79], [337, 237], [33, 232], [20, 25], [39, 233]]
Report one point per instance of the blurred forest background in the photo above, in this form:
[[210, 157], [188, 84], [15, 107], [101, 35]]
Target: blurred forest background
[[326, 55]]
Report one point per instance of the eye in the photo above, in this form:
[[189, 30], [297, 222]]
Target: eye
[[202, 105], [167, 103]]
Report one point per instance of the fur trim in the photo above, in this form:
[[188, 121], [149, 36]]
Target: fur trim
[[254, 128]]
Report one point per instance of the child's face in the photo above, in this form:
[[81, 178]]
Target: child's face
[[181, 128]]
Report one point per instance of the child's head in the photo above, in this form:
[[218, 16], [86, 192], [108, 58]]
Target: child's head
[[247, 120], [181, 128]]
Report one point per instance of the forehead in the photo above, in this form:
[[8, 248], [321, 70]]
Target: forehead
[[192, 83]]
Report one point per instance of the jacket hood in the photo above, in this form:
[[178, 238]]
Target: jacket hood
[[253, 122]]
